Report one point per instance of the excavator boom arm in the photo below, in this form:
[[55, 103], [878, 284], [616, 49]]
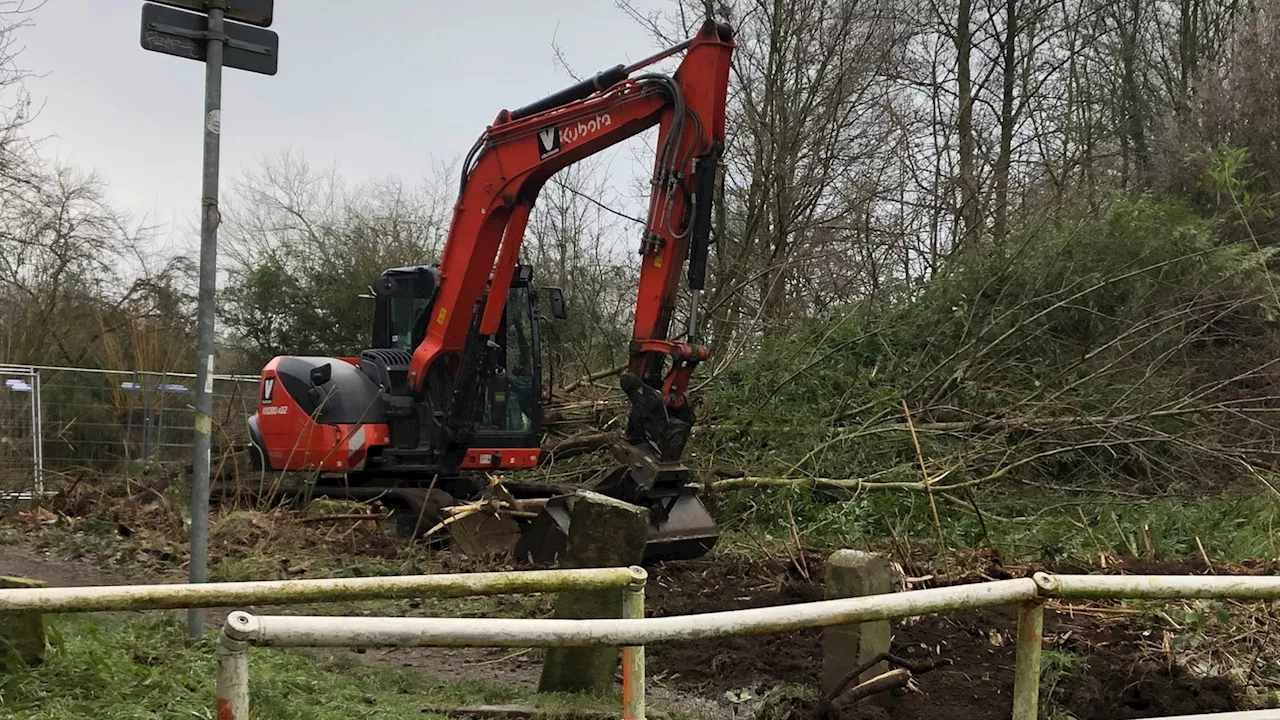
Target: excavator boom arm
[[501, 181]]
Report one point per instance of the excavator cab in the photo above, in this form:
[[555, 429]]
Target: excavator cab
[[357, 416], [511, 413]]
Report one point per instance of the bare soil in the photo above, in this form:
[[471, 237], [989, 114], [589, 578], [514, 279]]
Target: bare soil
[[28, 563], [1119, 681]]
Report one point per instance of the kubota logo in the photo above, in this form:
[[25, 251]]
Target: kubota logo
[[554, 137], [570, 134]]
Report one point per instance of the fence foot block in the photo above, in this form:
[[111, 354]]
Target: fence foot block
[[604, 532], [22, 634]]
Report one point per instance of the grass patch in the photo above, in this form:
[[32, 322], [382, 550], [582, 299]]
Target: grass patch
[[104, 669], [1057, 664]]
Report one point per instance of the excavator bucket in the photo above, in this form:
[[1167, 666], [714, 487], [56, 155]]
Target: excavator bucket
[[544, 539], [483, 534], [680, 528], [687, 533], [418, 512]]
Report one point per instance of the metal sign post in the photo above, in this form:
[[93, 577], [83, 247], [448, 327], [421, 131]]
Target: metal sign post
[[215, 41]]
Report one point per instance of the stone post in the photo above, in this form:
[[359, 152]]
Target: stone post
[[603, 532], [22, 636], [853, 573]]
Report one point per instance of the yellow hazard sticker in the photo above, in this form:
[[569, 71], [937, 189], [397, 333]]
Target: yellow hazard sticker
[[444, 312], [657, 261]]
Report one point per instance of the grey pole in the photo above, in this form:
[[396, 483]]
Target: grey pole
[[204, 313]]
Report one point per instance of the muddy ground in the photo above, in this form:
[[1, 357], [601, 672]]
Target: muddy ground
[[1122, 678]]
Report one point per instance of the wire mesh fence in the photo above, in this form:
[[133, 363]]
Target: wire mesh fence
[[21, 469], [57, 420]]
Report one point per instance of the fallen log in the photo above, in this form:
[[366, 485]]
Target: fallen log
[[588, 379], [746, 482], [343, 516], [577, 445]]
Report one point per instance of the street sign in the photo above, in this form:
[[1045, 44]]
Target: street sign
[[253, 12], [184, 34]]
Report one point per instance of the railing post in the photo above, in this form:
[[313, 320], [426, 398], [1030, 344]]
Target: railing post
[[607, 533], [1026, 672], [233, 679], [633, 656]]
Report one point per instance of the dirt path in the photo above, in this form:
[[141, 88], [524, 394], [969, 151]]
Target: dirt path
[[28, 563]]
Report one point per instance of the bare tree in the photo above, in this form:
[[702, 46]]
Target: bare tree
[[15, 102], [303, 244], [811, 128]]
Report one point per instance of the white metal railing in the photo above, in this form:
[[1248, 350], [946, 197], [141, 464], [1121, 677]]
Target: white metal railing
[[632, 632], [104, 598], [1240, 715], [284, 592], [243, 629]]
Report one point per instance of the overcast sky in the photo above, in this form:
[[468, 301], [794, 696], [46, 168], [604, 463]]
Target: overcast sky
[[377, 87]]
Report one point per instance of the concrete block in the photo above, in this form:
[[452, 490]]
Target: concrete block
[[22, 634], [604, 532], [853, 573]]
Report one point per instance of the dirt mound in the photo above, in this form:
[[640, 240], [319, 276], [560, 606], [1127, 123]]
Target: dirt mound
[[1114, 682], [1114, 679]]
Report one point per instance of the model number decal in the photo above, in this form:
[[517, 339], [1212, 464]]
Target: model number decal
[[275, 410]]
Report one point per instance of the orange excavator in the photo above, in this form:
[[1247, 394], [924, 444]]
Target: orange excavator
[[452, 382]]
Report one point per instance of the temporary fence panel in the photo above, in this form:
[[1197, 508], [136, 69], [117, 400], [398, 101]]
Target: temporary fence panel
[[108, 420], [21, 461]]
